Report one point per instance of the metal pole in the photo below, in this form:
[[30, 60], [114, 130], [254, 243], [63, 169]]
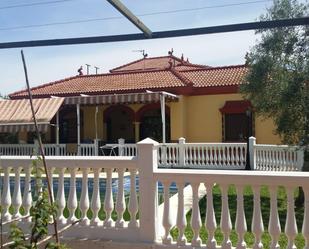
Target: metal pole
[[78, 128]]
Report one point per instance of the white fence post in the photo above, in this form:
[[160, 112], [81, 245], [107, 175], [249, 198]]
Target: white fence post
[[300, 158], [182, 159], [121, 146], [252, 153], [148, 197], [96, 146]]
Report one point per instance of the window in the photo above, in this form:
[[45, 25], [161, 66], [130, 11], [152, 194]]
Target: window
[[237, 123], [236, 127]]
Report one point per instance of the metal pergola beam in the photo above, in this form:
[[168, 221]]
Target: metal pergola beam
[[131, 17], [160, 34]]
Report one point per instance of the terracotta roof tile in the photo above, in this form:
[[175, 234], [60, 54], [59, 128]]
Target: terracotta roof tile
[[107, 83], [216, 76], [161, 62]]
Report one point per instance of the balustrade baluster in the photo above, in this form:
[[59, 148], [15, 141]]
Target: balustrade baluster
[[240, 224], [210, 221], [274, 227], [173, 156], [257, 222], [283, 160], [231, 157], [120, 202], [167, 224], [243, 152], [265, 162], [220, 156], [27, 197], [61, 197], [195, 218], [96, 201], [72, 200], [133, 205], [17, 200], [6, 196], [194, 155], [215, 156], [202, 148], [84, 198], [199, 155], [225, 223], [305, 228], [226, 156], [207, 156], [181, 217], [108, 202], [290, 225], [237, 153]]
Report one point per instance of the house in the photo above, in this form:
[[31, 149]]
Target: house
[[206, 107]]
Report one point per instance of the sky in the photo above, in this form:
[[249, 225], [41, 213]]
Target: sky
[[47, 64]]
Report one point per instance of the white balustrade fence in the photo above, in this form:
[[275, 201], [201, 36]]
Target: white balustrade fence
[[190, 155], [17, 149], [278, 157], [239, 179], [144, 201]]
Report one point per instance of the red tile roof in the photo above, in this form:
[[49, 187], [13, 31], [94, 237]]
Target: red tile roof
[[216, 76], [128, 78], [110, 83], [162, 62]]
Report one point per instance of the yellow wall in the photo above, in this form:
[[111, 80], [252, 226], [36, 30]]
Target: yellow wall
[[265, 131], [198, 119], [178, 118]]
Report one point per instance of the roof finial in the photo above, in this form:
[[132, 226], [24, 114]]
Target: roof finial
[[80, 70], [182, 58], [171, 52], [187, 59]]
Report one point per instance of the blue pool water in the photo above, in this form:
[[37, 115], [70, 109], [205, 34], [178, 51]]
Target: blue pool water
[[102, 185]]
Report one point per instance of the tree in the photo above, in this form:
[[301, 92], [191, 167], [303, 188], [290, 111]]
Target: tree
[[277, 83]]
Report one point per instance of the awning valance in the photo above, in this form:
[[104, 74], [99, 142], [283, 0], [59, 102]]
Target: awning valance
[[15, 115], [128, 98], [236, 106]]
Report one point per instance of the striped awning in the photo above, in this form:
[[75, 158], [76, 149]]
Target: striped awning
[[16, 115], [129, 98]]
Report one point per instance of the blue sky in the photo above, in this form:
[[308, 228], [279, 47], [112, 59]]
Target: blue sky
[[53, 63]]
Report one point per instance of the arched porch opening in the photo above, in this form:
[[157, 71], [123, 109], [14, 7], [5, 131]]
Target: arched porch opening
[[119, 123], [68, 125], [150, 120]]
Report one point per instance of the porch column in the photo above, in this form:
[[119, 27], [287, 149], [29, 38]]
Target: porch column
[[136, 128], [162, 102], [57, 134], [78, 128], [96, 121]]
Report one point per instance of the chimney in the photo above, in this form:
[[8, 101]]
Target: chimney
[[80, 70], [170, 64]]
